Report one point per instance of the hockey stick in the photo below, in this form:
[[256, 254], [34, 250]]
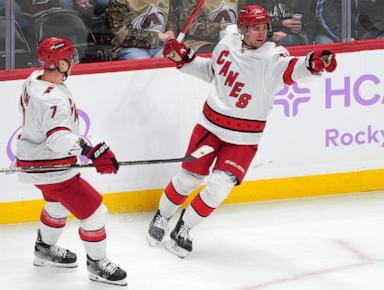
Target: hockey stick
[[199, 153], [181, 35]]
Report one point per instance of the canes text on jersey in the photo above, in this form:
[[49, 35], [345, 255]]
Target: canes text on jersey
[[230, 81]]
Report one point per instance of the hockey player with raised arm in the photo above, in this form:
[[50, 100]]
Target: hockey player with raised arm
[[245, 71], [51, 136]]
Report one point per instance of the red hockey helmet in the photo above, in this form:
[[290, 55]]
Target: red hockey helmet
[[53, 49], [253, 15]]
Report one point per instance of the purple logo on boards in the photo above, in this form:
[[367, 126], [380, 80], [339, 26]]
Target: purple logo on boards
[[351, 92], [11, 144], [369, 135], [292, 97]]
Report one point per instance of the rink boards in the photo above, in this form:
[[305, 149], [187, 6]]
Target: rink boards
[[324, 136]]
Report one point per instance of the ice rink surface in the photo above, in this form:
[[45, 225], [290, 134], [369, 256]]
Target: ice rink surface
[[325, 243]]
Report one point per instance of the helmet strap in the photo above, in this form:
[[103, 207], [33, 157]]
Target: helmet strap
[[65, 76]]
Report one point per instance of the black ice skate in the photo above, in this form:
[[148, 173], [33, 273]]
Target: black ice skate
[[52, 255], [180, 242], [105, 271], [157, 229]]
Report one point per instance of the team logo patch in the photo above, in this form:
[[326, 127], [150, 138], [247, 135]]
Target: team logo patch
[[153, 19], [223, 14], [57, 46]]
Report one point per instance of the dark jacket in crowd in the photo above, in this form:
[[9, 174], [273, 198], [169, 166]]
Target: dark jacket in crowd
[[371, 20], [329, 14], [367, 18], [280, 10], [32, 7]]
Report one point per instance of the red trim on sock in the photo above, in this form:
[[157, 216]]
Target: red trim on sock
[[201, 208], [92, 236], [49, 221], [173, 195]]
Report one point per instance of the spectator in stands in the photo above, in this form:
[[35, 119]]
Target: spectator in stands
[[293, 21], [25, 9], [141, 27], [328, 13], [214, 16], [95, 5], [371, 19], [91, 7]]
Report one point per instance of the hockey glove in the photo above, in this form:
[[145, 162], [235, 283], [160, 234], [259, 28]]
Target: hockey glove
[[178, 52], [320, 60], [102, 158]]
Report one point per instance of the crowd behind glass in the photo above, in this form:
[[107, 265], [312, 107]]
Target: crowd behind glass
[[107, 30]]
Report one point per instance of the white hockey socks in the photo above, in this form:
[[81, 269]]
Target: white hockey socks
[[53, 218], [178, 190], [219, 185], [92, 233]]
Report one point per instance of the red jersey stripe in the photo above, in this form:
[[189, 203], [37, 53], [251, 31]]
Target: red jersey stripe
[[232, 123], [30, 163], [287, 76], [54, 130]]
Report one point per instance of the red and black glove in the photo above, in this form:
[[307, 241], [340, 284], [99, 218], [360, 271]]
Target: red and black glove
[[102, 158], [320, 60], [178, 52]]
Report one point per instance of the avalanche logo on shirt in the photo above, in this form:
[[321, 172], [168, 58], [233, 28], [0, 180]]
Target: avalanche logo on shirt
[[153, 19], [223, 14]]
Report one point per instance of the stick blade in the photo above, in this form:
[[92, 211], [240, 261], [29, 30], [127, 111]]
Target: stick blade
[[202, 151]]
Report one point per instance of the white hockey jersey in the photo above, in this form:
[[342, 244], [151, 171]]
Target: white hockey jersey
[[243, 86], [50, 130]]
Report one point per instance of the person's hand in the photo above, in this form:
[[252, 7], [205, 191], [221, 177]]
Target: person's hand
[[294, 25], [102, 158], [84, 3], [165, 36], [319, 60], [178, 52], [278, 36]]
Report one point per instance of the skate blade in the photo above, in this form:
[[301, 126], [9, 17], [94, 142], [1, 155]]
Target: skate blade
[[151, 241], [175, 249], [45, 263], [99, 279]]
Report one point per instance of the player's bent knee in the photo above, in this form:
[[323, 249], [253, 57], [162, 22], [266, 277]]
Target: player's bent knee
[[219, 186], [96, 220], [55, 209], [186, 181]]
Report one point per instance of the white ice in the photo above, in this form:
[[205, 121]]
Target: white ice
[[325, 243]]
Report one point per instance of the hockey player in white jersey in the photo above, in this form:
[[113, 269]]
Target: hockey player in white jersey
[[245, 71], [51, 136]]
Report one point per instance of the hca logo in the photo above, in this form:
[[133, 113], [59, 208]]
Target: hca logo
[[291, 98]]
